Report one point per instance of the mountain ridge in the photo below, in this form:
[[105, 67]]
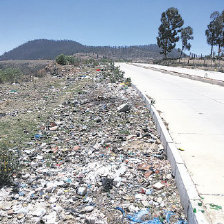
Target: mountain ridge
[[49, 49]]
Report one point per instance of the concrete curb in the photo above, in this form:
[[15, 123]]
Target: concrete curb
[[190, 199]]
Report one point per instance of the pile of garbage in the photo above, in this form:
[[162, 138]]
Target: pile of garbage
[[96, 159]]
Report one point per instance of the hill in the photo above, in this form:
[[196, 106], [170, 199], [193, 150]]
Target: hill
[[49, 49]]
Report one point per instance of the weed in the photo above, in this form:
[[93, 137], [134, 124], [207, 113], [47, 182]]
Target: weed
[[10, 75], [9, 163]]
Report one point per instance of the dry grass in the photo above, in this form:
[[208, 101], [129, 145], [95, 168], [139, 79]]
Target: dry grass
[[204, 64]]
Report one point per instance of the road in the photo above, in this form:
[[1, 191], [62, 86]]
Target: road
[[195, 113], [193, 72]]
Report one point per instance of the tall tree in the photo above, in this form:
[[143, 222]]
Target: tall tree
[[220, 32], [215, 31], [210, 36], [171, 23], [186, 35]]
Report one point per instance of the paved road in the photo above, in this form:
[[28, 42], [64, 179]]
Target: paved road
[[195, 113], [194, 72]]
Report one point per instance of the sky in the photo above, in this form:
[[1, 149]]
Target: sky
[[100, 22]]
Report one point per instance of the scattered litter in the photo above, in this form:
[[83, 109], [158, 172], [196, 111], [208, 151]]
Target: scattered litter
[[94, 147]]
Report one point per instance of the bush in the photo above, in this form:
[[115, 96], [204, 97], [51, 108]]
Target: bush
[[61, 59], [128, 81], [9, 164], [67, 60], [70, 60], [115, 75], [73, 61], [10, 75]]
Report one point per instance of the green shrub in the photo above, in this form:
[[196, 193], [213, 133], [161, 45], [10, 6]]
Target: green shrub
[[70, 60], [10, 75], [128, 81], [61, 59], [67, 60], [9, 163]]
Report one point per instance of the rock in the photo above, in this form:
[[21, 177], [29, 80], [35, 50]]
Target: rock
[[144, 166], [20, 216], [6, 205], [87, 200], [124, 108], [148, 173], [158, 186], [50, 187], [159, 199], [25, 176], [98, 119], [107, 184], [53, 128], [139, 196], [76, 148], [88, 209], [51, 218], [145, 203], [169, 176], [39, 212], [52, 200], [82, 191], [10, 212], [133, 208]]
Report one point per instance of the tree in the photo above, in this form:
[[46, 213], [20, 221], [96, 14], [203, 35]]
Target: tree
[[215, 31], [186, 35], [171, 23], [220, 32]]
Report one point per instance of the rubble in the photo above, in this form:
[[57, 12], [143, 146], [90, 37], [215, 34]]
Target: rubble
[[87, 159]]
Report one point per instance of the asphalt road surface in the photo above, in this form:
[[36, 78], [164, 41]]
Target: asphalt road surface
[[195, 113]]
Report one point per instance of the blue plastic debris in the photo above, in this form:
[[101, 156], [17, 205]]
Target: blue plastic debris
[[139, 217], [168, 215], [32, 196], [121, 210], [68, 181], [37, 136], [21, 193], [41, 193], [181, 221], [148, 191], [22, 185]]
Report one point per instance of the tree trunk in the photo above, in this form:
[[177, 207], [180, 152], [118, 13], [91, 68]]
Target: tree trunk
[[181, 53], [211, 50], [165, 53], [211, 53], [219, 50]]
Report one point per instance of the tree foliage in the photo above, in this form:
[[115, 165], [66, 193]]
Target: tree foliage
[[215, 31], [171, 23], [186, 35]]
